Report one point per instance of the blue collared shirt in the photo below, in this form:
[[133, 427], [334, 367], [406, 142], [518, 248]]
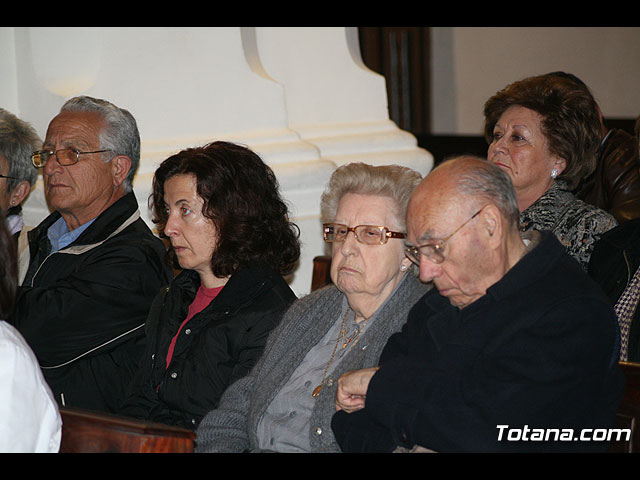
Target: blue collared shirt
[[60, 236]]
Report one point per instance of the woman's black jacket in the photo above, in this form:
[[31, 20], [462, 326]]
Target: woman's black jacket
[[216, 347]]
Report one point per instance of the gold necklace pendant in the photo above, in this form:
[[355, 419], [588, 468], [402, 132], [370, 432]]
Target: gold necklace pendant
[[341, 335], [347, 341], [316, 391]]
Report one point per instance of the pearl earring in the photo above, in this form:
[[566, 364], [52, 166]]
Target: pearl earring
[[403, 268], [554, 173]]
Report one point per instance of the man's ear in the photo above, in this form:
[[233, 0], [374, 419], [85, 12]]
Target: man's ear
[[120, 167], [492, 224], [19, 193]]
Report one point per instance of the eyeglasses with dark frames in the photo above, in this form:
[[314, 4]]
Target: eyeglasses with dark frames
[[434, 251], [366, 234], [65, 156]]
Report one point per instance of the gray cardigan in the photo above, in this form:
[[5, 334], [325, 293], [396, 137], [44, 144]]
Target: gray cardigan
[[232, 426]]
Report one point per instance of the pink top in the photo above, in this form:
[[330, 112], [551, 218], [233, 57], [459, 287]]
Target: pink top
[[203, 298]]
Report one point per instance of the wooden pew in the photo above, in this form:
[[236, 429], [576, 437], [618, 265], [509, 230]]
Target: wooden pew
[[93, 432], [321, 275]]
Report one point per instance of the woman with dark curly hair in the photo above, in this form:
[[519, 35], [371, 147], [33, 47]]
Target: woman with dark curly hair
[[229, 230], [545, 132]]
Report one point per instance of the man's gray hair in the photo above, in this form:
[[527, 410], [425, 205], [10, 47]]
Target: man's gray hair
[[488, 182], [18, 140], [120, 134], [393, 181]]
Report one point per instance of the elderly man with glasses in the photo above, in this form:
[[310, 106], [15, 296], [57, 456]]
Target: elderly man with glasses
[[514, 350], [94, 266]]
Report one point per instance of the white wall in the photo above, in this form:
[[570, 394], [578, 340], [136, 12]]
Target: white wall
[[472, 63], [299, 96]]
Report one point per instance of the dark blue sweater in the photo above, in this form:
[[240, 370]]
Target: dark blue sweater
[[538, 351]]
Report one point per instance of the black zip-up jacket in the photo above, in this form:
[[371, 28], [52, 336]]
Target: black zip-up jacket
[[216, 347], [82, 309]]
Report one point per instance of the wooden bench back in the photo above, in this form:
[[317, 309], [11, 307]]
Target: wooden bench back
[[91, 432], [628, 414]]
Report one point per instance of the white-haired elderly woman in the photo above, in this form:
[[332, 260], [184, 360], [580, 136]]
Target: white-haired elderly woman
[[18, 140], [286, 403]]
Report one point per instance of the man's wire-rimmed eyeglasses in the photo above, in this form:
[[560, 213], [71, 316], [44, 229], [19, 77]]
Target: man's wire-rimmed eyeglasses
[[7, 176], [433, 251], [65, 156]]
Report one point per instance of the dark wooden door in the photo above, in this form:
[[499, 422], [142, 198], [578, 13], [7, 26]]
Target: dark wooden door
[[402, 55]]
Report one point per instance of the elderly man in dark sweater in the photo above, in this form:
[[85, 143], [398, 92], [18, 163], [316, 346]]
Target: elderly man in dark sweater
[[515, 350]]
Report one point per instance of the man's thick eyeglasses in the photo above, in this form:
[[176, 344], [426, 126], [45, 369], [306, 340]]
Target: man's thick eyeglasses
[[367, 234], [433, 251], [65, 156]]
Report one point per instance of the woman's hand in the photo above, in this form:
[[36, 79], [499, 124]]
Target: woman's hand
[[352, 389]]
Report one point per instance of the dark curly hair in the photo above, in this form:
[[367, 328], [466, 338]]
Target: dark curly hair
[[241, 197], [570, 119], [8, 270]]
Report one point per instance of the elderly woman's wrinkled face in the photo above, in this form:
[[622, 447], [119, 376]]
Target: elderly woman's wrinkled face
[[371, 270], [520, 148], [193, 236]]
